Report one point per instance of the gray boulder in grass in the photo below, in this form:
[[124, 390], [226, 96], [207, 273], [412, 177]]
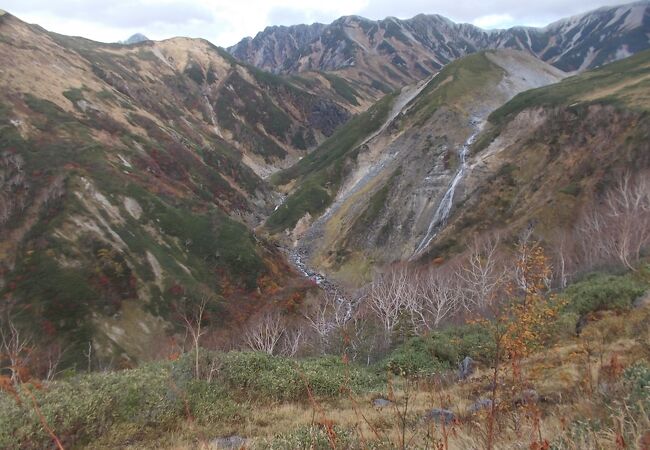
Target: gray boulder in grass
[[228, 442], [466, 368], [440, 416], [479, 405], [380, 403]]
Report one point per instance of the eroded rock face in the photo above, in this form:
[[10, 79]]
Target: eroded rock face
[[327, 116], [398, 176]]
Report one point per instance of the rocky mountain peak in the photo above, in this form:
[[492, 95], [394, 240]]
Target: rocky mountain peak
[[135, 39], [396, 52]]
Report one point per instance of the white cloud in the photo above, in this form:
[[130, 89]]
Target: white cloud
[[225, 22], [494, 21]]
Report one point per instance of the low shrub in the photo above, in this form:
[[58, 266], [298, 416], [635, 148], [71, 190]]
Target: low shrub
[[264, 377], [87, 406], [600, 292], [637, 380], [415, 357], [441, 350]]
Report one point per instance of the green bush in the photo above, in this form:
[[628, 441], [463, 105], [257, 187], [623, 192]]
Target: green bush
[[600, 292], [637, 379], [415, 357], [264, 377], [84, 407], [210, 403], [440, 350], [455, 343]]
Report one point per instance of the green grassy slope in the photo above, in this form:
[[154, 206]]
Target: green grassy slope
[[124, 191], [319, 174], [556, 149]]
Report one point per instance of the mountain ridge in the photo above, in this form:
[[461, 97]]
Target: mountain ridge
[[457, 163], [396, 52], [132, 177]]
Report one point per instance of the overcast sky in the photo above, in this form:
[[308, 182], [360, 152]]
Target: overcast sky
[[225, 22]]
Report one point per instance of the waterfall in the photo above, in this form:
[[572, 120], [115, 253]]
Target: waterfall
[[441, 215]]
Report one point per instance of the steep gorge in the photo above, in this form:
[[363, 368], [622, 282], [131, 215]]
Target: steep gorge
[[397, 177]]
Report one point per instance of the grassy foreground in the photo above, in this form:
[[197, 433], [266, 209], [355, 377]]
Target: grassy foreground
[[586, 391]]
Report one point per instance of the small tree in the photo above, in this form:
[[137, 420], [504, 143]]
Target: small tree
[[521, 320], [192, 318], [436, 296], [15, 348], [389, 295], [482, 272], [619, 228], [327, 319], [265, 332]]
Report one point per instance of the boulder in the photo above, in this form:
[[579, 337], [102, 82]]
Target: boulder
[[229, 442], [440, 416], [380, 403], [642, 301], [479, 405], [466, 368]]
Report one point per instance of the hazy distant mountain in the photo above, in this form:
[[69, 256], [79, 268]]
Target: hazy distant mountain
[[135, 39]]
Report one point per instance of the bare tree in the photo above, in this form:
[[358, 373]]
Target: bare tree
[[265, 332], [619, 228], [51, 360], [192, 318], [482, 272], [437, 296], [327, 319], [627, 208], [564, 251], [292, 341], [388, 296], [15, 348]]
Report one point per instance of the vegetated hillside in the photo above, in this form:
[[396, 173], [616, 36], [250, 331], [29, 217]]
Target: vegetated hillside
[[380, 191], [394, 52], [131, 177], [572, 391], [552, 152]]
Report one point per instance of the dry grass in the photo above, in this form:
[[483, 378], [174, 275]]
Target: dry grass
[[571, 379]]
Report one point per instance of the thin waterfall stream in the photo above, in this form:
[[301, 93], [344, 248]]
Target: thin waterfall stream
[[441, 214]]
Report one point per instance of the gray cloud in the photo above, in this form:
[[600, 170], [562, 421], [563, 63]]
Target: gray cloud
[[522, 12], [292, 16], [117, 13], [224, 22]]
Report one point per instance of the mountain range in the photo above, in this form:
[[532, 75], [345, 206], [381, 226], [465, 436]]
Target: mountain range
[[138, 177], [394, 52]]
